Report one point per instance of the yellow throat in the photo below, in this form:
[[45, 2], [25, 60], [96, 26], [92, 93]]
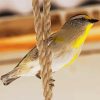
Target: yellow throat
[[77, 43]]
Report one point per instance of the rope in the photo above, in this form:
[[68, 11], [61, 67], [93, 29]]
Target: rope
[[42, 28], [47, 29]]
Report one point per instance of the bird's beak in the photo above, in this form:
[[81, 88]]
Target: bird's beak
[[93, 20]]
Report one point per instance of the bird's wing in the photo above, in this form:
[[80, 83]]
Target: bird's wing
[[32, 55], [51, 38]]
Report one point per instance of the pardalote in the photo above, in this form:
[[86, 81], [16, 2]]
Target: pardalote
[[65, 45]]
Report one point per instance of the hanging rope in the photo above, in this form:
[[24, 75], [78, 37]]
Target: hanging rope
[[43, 28]]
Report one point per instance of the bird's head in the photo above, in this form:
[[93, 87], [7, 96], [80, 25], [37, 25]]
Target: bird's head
[[78, 25], [81, 25], [81, 20]]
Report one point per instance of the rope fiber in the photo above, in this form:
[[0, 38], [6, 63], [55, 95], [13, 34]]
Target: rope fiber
[[43, 28]]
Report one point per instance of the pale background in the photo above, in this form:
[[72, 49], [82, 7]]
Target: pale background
[[81, 81]]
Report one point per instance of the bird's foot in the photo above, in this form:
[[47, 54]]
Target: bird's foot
[[51, 82], [38, 75]]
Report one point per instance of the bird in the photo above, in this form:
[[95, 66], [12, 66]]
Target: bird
[[65, 44]]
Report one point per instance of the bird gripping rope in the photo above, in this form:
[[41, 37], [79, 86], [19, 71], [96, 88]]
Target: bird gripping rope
[[42, 28]]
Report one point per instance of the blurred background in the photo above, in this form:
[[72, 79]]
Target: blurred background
[[80, 81]]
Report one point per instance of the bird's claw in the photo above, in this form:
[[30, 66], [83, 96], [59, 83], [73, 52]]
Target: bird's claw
[[38, 75], [51, 82]]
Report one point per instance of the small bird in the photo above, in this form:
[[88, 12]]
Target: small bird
[[65, 45]]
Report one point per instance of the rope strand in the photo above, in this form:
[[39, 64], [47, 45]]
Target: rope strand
[[47, 29], [43, 28]]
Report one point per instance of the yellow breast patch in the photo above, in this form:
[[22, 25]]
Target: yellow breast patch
[[77, 43]]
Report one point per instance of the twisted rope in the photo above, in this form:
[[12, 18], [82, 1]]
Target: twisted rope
[[47, 30], [43, 29]]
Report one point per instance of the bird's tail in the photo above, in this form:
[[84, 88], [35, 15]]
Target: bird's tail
[[8, 78]]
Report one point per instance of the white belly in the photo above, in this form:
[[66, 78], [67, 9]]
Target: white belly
[[57, 63]]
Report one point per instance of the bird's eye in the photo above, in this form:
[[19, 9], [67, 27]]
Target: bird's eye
[[83, 18]]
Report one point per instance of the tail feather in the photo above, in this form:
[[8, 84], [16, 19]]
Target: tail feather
[[6, 79]]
